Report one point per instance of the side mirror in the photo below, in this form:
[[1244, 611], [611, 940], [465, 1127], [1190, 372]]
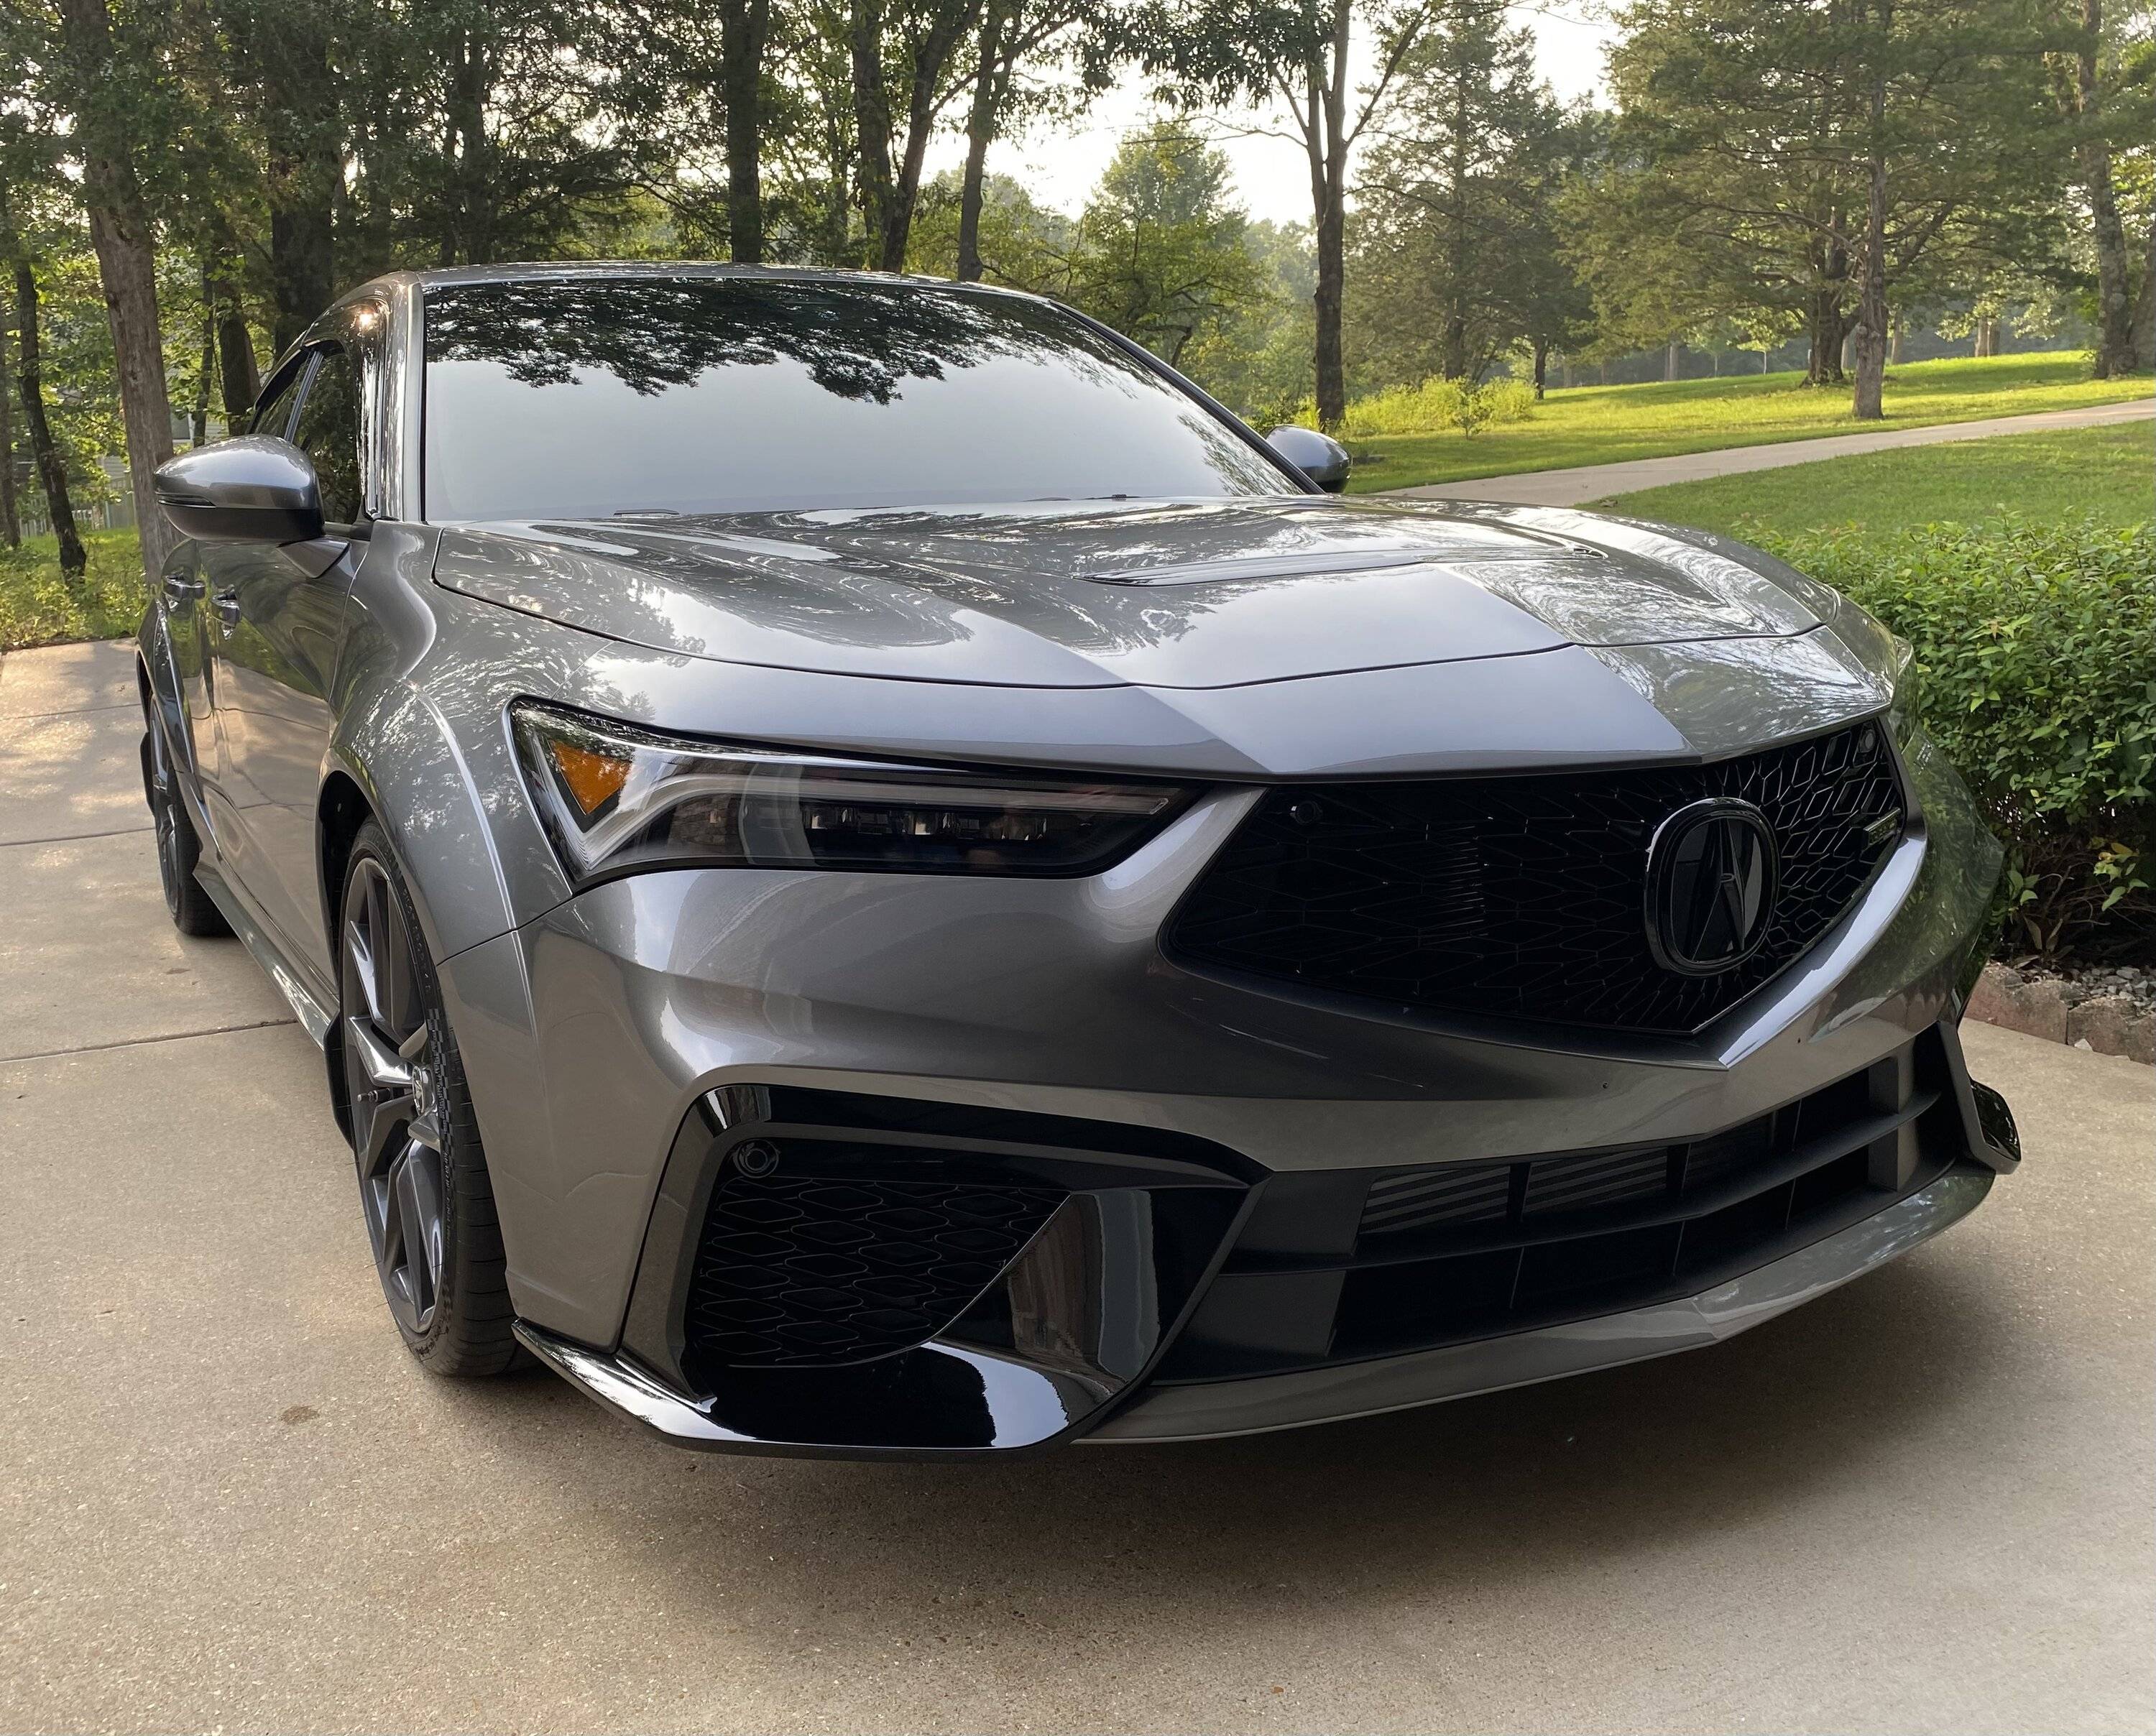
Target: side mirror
[[251, 489], [1319, 457]]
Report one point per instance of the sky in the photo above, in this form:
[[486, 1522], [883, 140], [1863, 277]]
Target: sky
[[1271, 177]]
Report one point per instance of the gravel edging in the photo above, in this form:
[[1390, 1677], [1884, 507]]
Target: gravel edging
[[2041, 1007]]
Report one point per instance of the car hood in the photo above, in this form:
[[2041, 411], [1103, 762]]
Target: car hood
[[1162, 594]]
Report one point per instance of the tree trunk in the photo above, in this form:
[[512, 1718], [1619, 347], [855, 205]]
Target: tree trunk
[[240, 379], [198, 417], [989, 86], [1452, 355], [1541, 366], [1672, 364], [120, 231], [1867, 401], [11, 519], [2141, 331], [1564, 371], [744, 29], [2114, 307], [1325, 135], [1824, 317], [872, 129], [51, 467]]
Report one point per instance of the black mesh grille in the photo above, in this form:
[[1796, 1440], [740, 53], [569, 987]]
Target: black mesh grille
[[1525, 897], [814, 1270]]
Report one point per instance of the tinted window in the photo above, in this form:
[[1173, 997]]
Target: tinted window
[[576, 399], [273, 410], [328, 432]]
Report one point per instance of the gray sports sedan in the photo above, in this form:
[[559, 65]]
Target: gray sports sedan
[[877, 875]]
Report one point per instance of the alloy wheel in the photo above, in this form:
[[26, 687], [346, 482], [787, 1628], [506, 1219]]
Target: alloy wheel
[[396, 1112]]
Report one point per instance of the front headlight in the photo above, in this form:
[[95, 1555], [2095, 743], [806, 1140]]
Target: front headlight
[[617, 797]]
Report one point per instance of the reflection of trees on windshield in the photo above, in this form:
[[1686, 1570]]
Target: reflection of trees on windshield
[[856, 341]]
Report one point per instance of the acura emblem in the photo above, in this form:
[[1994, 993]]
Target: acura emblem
[[1711, 881]]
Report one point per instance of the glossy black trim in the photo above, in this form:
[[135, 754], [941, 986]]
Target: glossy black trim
[[1071, 1326]]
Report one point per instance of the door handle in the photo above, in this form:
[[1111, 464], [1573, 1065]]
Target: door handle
[[179, 587], [228, 606]]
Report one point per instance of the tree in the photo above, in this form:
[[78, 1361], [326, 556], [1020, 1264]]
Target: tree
[[1162, 255], [1256, 357], [11, 520], [107, 88], [2104, 93], [1013, 35], [1456, 247], [679, 76], [1017, 243], [901, 53], [1301, 54], [1825, 150], [51, 465]]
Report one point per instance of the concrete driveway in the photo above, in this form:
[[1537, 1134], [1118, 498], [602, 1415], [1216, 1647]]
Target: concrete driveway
[[229, 1499]]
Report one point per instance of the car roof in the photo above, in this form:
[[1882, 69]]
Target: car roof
[[539, 270]]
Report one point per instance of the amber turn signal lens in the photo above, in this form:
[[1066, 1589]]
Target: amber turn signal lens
[[592, 779]]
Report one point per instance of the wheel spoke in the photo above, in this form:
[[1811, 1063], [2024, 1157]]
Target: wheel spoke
[[383, 1067], [420, 1207], [397, 1126], [398, 991], [361, 974]]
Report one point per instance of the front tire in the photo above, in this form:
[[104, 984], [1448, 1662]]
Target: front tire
[[422, 1181]]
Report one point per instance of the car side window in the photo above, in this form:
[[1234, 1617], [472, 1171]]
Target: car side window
[[273, 411], [329, 432]]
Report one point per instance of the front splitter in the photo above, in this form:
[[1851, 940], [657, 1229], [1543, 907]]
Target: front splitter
[[1210, 1410]]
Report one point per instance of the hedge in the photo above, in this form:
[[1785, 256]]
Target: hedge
[[2035, 659]]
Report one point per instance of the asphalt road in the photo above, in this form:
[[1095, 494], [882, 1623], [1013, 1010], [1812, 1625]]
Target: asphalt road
[[1585, 482], [229, 1499]]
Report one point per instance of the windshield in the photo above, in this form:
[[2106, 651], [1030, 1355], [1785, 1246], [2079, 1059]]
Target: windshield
[[582, 398]]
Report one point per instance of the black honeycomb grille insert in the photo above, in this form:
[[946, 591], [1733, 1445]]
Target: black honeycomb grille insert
[[1525, 897], [815, 1270]]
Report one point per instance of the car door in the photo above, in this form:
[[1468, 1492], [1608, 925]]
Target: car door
[[192, 572], [276, 614]]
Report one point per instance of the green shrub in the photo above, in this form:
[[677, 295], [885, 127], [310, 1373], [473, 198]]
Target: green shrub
[[39, 608], [1436, 404], [2035, 656]]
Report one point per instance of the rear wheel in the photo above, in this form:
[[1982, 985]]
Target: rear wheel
[[193, 911], [422, 1181]]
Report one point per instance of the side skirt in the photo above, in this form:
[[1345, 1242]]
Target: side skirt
[[315, 1019]]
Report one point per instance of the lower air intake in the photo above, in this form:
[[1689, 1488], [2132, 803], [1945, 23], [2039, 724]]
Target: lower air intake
[[812, 1270]]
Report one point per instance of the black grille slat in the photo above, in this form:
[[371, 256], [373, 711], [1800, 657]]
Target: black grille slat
[[1419, 1199], [1578, 1184], [1525, 897], [814, 1270]]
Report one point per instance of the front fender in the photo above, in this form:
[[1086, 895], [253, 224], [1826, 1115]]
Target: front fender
[[417, 735]]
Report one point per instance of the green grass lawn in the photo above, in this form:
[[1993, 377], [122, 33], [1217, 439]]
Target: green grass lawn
[[37, 608], [2107, 473], [1607, 424]]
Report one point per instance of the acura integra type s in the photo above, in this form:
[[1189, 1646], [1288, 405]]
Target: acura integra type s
[[878, 875]]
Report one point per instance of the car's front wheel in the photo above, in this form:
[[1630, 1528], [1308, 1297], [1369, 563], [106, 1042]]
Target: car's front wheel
[[423, 1180]]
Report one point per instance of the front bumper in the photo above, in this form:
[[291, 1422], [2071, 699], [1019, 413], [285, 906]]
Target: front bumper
[[1018, 1413], [596, 1036]]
